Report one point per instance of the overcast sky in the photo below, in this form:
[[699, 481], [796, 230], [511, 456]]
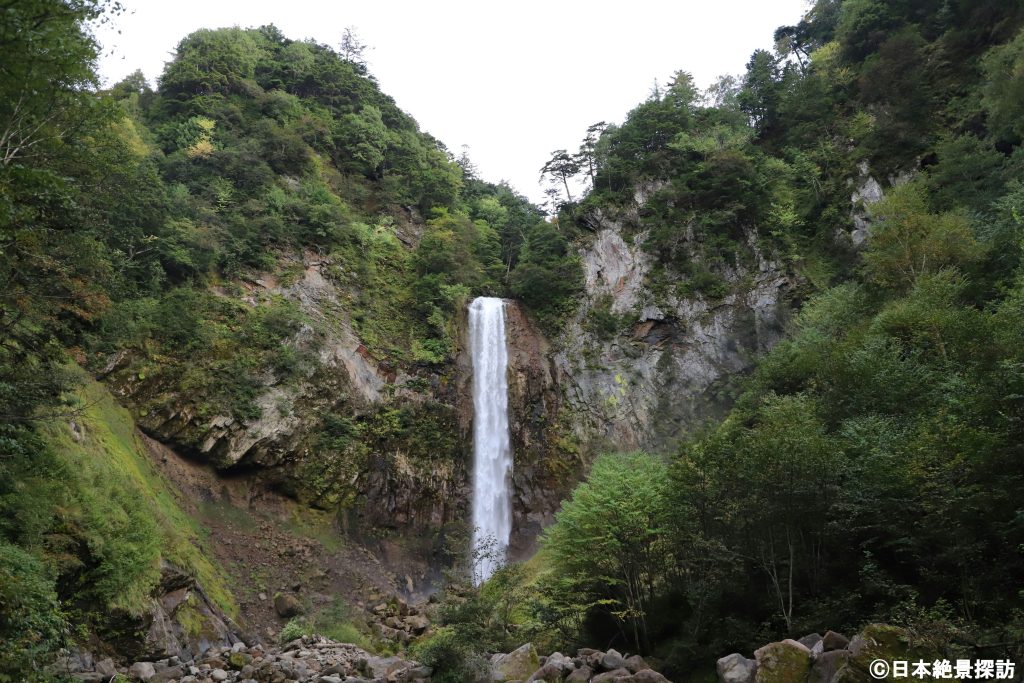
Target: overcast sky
[[513, 81]]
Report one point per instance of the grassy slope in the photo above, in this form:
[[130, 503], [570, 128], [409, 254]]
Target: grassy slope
[[123, 501]]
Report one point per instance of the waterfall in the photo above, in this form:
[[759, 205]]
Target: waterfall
[[492, 451]]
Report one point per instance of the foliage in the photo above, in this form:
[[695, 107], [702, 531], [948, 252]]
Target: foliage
[[609, 538], [877, 448], [32, 624], [295, 628]]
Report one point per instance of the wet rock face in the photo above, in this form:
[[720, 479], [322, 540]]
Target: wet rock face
[[543, 471]]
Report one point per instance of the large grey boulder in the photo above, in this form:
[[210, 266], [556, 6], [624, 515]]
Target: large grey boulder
[[613, 675], [612, 660], [810, 640], [736, 668], [517, 665], [106, 668], [555, 668], [636, 664], [142, 671]]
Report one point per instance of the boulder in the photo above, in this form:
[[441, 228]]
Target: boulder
[[169, 673], [613, 675], [75, 661], [878, 641], [287, 605], [810, 640], [580, 675], [647, 676], [826, 665], [554, 668], [106, 667], [612, 660], [636, 664], [516, 665], [417, 623], [237, 660], [736, 668], [382, 667], [784, 662], [142, 671], [834, 641]]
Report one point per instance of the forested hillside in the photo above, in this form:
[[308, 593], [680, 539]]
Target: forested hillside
[[870, 468], [135, 224], [782, 332]]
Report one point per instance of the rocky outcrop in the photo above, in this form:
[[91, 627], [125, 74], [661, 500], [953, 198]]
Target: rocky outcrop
[[311, 659], [402, 470], [867, 192], [383, 482], [286, 412], [665, 369], [180, 622]]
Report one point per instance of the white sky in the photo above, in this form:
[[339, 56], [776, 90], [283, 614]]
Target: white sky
[[513, 81]]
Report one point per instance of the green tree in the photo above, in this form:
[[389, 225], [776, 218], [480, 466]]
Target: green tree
[[611, 539], [1003, 88], [908, 241], [563, 167], [211, 62]]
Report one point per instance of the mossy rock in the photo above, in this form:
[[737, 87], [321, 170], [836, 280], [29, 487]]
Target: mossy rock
[[879, 641], [517, 665], [237, 660], [784, 662]]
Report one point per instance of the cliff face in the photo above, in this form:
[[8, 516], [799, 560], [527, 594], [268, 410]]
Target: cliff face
[[391, 444], [545, 467], [380, 463], [669, 363]]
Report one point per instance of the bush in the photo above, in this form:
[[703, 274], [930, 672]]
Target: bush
[[32, 625], [296, 628], [450, 656]]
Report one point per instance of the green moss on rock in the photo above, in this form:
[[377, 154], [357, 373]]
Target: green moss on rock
[[784, 662]]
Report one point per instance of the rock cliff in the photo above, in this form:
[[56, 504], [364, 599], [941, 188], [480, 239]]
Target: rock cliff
[[390, 442], [667, 365]]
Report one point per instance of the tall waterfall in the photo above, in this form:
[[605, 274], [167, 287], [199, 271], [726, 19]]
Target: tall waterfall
[[492, 451]]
